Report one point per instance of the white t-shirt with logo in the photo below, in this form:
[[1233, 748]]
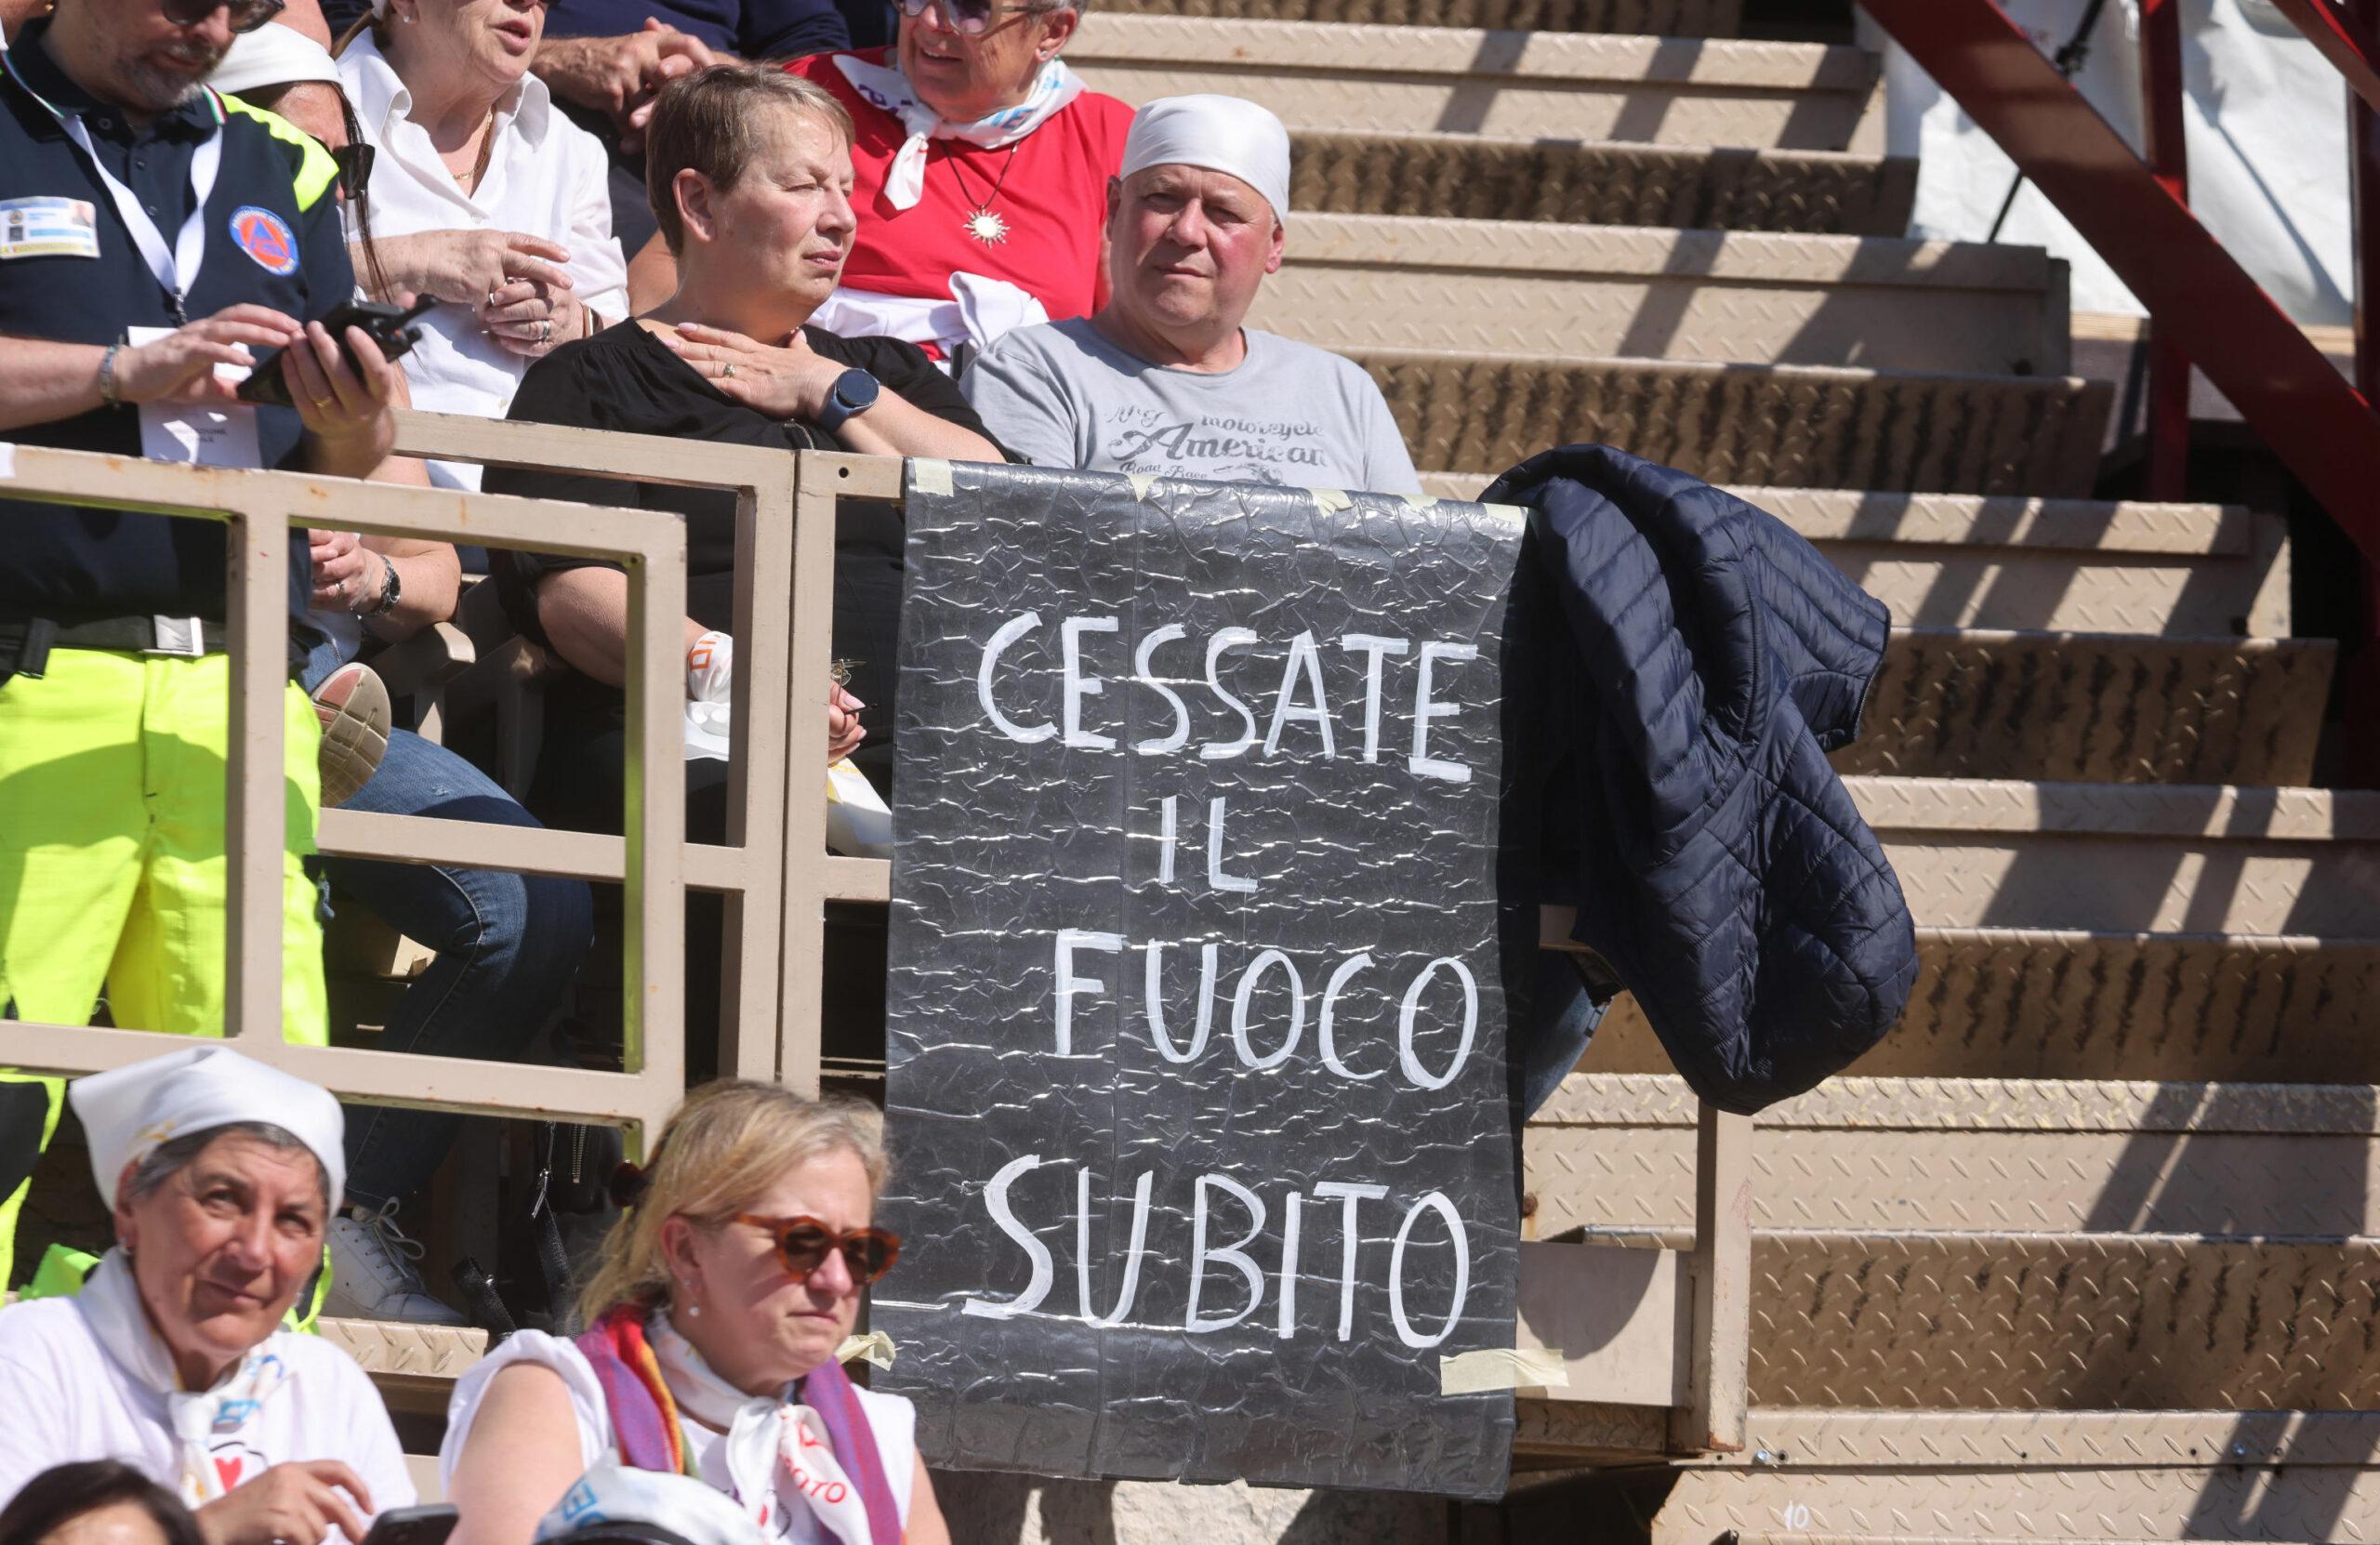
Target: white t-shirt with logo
[[64, 1399], [1288, 413], [891, 1418]]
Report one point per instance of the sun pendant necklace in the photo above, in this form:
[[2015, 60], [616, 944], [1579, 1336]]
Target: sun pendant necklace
[[981, 222]]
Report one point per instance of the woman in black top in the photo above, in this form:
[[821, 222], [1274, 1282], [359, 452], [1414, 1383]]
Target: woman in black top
[[749, 172]]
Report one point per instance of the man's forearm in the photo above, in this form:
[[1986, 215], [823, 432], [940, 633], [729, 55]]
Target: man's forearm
[[41, 382]]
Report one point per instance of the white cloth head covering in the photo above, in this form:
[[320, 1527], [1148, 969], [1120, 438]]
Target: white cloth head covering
[[128, 1110], [686, 1507], [1222, 134], [272, 54]]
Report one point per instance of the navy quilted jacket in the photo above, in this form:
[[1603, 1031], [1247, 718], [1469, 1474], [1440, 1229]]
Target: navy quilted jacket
[[1681, 664]]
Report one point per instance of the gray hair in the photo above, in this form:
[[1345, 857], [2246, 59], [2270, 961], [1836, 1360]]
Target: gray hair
[[170, 1158]]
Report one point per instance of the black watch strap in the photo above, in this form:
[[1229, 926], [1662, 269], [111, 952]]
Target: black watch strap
[[392, 588]]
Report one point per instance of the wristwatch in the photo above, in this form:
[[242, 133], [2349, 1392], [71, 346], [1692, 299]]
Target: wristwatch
[[391, 587], [853, 393]]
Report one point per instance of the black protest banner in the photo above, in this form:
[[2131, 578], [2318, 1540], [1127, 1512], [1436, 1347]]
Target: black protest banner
[[1197, 1097]]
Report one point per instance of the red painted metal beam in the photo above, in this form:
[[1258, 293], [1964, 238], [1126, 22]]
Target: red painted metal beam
[[2335, 36], [2318, 424], [2162, 92]]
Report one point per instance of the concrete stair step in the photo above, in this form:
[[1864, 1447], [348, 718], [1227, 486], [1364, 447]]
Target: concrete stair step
[[1951, 1477], [1655, 18], [2033, 1003], [1342, 76], [1997, 1156], [1482, 178], [2094, 708], [1960, 560], [1797, 425], [1527, 288]]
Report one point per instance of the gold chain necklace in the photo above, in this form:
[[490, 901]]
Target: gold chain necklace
[[480, 163], [981, 222]]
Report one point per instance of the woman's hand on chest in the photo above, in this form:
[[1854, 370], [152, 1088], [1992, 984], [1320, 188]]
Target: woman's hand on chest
[[788, 382]]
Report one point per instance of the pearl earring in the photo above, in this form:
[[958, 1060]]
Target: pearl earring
[[693, 1310]]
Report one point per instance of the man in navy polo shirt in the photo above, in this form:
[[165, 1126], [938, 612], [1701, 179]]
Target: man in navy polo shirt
[[150, 231]]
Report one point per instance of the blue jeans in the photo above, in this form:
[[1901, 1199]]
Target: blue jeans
[[507, 945]]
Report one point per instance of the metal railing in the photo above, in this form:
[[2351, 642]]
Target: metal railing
[[2199, 300], [1688, 1374]]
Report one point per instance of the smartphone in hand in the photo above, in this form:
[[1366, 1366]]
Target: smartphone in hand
[[385, 326], [427, 1524]]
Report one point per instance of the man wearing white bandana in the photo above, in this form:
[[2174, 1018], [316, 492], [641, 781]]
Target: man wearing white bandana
[[1165, 380], [223, 1174], [980, 164]]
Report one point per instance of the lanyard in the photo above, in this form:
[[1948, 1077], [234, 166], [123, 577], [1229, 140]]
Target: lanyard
[[177, 270]]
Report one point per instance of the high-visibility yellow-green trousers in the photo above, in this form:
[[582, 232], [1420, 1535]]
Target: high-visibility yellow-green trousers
[[113, 871]]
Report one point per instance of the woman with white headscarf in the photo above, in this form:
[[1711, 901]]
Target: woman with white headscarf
[[980, 164], [479, 193], [223, 1174]]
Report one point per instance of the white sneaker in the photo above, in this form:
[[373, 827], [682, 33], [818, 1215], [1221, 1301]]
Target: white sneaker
[[373, 1277]]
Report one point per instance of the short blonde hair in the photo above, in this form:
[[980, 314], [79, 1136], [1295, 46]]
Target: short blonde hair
[[728, 1145], [709, 121]]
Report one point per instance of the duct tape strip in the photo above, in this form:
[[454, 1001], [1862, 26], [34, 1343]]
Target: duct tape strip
[[934, 476], [1502, 1367], [8, 459], [1512, 512], [1140, 481], [1330, 500], [876, 1347]]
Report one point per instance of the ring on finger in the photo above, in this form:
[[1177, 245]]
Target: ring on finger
[[491, 301], [545, 331], [726, 368]]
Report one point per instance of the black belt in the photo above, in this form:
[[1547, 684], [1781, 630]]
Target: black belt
[[25, 642]]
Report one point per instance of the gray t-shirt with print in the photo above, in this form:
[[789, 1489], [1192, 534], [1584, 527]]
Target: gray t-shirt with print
[[1061, 395]]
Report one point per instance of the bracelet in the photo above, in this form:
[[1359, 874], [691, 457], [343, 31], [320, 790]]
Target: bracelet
[[108, 396]]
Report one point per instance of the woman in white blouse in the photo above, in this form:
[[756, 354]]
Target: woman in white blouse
[[480, 194]]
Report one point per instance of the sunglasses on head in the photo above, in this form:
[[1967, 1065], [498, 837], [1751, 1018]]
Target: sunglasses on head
[[803, 1245], [964, 16], [246, 16]]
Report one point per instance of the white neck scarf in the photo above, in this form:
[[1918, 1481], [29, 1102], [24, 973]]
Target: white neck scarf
[[778, 1452], [111, 1304], [1053, 89]]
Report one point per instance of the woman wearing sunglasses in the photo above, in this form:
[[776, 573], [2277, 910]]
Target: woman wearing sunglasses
[[482, 193], [714, 1318], [981, 167]]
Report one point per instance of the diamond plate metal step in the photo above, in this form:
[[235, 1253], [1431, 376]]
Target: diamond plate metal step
[[2142, 858], [1452, 80], [1976, 1155], [1795, 425], [1655, 18], [2020, 1003], [2111, 1478], [1530, 289], [2074, 1322], [1485, 178], [1959, 560], [2095, 708]]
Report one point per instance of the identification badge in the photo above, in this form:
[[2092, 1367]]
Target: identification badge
[[47, 228], [211, 434]]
